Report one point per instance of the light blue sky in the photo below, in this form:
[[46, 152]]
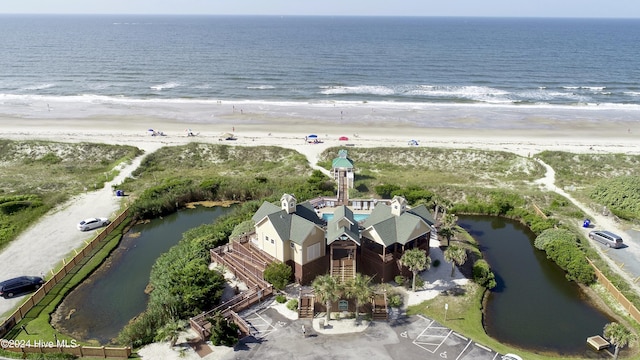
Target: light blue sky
[[517, 8]]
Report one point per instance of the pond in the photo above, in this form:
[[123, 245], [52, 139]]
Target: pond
[[115, 293], [533, 305]]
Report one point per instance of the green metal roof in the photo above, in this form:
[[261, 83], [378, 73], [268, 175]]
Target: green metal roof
[[342, 161], [343, 214], [395, 229], [296, 226]]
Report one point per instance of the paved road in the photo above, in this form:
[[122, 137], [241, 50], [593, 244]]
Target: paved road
[[414, 337]]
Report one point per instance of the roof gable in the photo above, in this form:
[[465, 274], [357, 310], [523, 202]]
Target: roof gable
[[342, 225], [398, 229]]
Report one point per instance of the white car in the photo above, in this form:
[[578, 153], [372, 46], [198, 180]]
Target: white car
[[92, 223]]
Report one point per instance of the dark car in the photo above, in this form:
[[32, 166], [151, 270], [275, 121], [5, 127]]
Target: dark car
[[19, 286]]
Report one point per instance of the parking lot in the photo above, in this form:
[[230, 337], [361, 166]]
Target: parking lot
[[414, 337]]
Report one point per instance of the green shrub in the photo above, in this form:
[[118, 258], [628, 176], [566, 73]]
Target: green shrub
[[278, 274], [280, 299], [550, 235], [563, 247], [399, 279], [395, 300], [223, 331], [620, 194], [482, 274], [419, 282], [292, 304]]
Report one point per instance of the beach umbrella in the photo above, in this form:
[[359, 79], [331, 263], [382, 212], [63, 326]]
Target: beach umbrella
[[312, 136], [343, 138]]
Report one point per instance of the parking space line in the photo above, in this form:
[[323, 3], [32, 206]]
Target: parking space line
[[463, 350], [263, 328], [483, 347], [431, 347], [460, 336]]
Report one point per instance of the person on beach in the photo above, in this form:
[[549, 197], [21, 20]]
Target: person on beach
[[304, 331]]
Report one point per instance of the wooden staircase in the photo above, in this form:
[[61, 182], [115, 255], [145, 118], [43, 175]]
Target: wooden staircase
[[305, 309], [343, 270], [379, 305]]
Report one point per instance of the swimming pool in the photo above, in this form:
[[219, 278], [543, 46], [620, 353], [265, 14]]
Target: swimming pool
[[356, 217]]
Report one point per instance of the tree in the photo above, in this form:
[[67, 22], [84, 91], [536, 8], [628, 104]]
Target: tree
[[483, 275], [448, 227], [360, 289], [278, 274], [328, 290], [170, 331], [618, 335], [416, 260], [223, 331], [456, 256]]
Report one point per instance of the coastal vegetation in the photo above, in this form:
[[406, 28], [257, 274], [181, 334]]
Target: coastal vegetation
[[38, 175], [500, 185], [600, 180], [454, 181]]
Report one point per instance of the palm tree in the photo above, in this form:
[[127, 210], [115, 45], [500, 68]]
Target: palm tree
[[448, 227], [170, 331], [618, 335], [416, 260], [456, 256], [437, 201], [328, 290], [360, 289]]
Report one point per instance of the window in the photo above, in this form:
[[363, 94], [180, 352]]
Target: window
[[293, 246], [313, 252], [272, 241]]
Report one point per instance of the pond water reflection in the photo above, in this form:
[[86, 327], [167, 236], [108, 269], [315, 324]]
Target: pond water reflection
[[114, 294], [533, 305]]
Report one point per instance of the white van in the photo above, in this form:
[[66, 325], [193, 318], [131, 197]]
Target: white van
[[606, 237]]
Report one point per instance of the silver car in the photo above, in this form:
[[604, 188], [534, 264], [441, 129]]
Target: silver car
[[92, 223], [606, 237]]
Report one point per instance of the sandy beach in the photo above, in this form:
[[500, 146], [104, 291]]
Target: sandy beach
[[524, 131]]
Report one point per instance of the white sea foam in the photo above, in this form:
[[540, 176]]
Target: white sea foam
[[38, 87], [168, 85], [360, 89], [261, 87]]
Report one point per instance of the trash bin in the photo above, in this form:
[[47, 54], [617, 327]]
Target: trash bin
[[586, 223], [321, 324]]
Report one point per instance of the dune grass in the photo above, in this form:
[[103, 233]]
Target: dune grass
[[49, 173]]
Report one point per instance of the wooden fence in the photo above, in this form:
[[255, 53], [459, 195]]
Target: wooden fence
[[622, 300], [35, 298], [247, 270], [88, 351]]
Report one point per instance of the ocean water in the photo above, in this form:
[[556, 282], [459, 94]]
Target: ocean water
[[181, 66]]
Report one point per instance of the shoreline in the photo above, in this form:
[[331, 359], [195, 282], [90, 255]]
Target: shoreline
[[289, 130]]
